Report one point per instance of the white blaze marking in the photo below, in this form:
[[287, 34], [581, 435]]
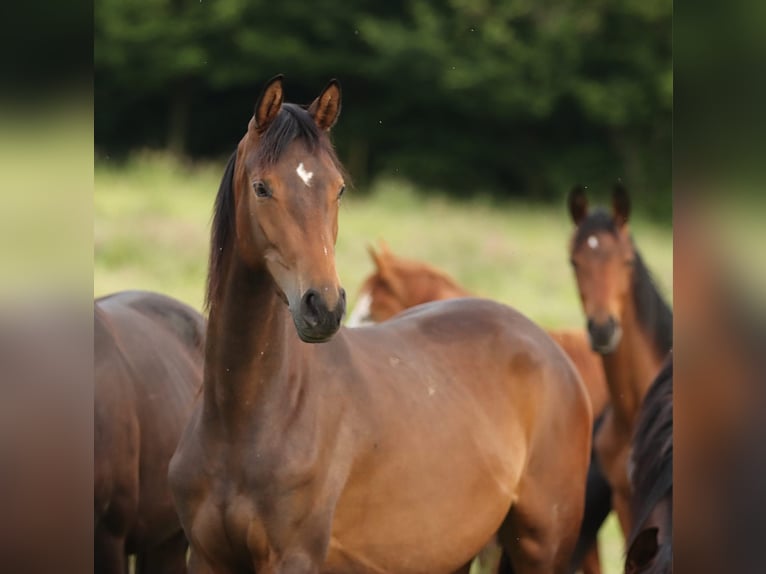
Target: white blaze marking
[[304, 175], [361, 314], [593, 242]]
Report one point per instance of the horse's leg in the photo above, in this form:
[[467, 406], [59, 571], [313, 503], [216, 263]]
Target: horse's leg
[[504, 565], [598, 504], [197, 565], [621, 504], [591, 562], [612, 447], [167, 558], [540, 531], [489, 557], [109, 553]]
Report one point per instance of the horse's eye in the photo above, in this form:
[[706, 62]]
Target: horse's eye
[[261, 190], [342, 191], [573, 263]]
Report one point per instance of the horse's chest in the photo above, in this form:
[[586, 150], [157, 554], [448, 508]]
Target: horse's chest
[[612, 444], [246, 513], [227, 530]]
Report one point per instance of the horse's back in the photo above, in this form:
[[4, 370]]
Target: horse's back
[[487, 351], [154, 345], [183, 322], [476, 326]]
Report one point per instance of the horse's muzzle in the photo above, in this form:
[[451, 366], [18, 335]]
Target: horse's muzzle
[[604, 337], [315, 321]]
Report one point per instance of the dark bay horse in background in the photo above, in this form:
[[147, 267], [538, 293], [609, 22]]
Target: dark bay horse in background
[[628, 322], [148, 353], [397, 284], [650, 544], [400, 448]]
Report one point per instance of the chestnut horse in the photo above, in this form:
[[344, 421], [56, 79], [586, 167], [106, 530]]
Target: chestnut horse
[[650, 545], [628, 323], [397, 284], [148, 369], [400, 448]]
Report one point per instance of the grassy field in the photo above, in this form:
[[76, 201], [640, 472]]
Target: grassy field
[[152, 220]]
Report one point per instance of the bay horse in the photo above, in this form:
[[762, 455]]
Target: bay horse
[[650, 544], [148, 369], [403, 447], [397, 284], [628, 323]]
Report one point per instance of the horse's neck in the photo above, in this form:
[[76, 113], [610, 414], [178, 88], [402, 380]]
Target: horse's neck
[[248, 346], [631, 368]]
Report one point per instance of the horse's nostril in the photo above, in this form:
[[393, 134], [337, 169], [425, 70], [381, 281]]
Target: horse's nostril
[[310, 307], [343, 295], [591, 325]]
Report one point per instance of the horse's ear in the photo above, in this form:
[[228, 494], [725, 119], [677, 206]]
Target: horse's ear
[[326, 108], [269, 103], [578, 204], [642, 551], [384, 248], [620, 204], [374, 255]]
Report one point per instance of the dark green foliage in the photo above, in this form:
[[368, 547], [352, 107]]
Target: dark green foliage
[[516, 98]]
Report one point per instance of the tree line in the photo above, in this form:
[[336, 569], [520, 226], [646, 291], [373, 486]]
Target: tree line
[[514, 98]]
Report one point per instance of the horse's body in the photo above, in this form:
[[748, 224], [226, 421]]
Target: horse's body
[[651, 541], [628, 323], [400, 448], [148, 369], [397, 284]]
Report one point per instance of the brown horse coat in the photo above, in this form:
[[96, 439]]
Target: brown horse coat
[[398, 284], [400, 448], [148, 369]]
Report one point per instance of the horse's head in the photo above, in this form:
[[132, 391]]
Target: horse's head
[[287, 188], [398, 284], [602, 255], [384, 293]]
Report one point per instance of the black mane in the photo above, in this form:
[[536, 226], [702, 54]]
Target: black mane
[[654, 314], [653, 448], [223, 225]]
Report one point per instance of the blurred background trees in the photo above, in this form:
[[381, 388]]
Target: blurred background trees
[[519, 98]]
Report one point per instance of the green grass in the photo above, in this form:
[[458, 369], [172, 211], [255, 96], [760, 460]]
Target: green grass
[[152, 220]]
